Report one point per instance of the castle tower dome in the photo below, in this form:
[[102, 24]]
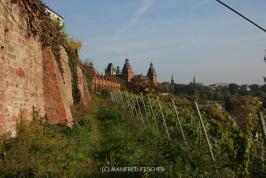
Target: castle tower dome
[[152, 75], [118, 71], [127, 71], [110, 70]]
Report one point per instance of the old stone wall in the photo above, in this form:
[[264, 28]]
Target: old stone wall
[[83, 87], [57, 108], [67, 84], [21, 73], [30, 81]]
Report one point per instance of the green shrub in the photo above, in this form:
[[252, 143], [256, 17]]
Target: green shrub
[[108, 113], [39, 150]]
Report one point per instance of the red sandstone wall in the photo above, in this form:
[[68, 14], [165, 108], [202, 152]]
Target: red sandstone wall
[[56, 107], [30, 79], [21, 74], [67, 85], [83, 88]]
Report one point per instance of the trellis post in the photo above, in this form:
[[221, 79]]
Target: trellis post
[[127, 104], [205, 133], [166, 129], [263, 125], [138, 106], [134, 105], [130, 105], [153, 115], [122, 101], [179, 122], [145, 108]]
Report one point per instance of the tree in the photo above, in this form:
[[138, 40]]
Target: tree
[[233, 88], [139, 84]]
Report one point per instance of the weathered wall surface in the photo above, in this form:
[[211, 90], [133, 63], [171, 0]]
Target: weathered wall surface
[[30, 79], [21, 74], [67, 85], [83, 87], [57, 109]]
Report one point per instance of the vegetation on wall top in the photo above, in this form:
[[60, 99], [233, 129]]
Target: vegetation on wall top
[[51, 33], [38, 22], [72, 47]]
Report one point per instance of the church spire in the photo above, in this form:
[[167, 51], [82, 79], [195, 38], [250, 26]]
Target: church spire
[[172, 79], [194, 80]]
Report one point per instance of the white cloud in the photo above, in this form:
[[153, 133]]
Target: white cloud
[[144, 7]]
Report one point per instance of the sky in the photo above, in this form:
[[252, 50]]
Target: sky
[[185, 38]]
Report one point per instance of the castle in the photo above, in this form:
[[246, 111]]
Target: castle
[[114, 77], [127, 73]]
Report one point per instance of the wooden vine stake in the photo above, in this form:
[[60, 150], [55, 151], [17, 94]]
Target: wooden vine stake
[[153, 115], [122, 101], [205, 133], [263, 125], [138, 107], [116, 99], [166, 129], [179, 122], [264, 138], [134, 106], [112, 97], [129, 105], [145, 109]]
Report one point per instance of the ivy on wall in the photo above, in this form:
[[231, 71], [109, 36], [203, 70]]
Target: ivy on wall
[[88, 75], [56, 43], [51, 33], [39, 23], [72, 47]]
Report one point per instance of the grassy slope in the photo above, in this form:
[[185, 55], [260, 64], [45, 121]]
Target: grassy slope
[[102, 135]]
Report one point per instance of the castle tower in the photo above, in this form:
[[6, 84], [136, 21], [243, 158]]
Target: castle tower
[[152, 75], [92, 70], [118, 71], [127, 71], [110, 70]]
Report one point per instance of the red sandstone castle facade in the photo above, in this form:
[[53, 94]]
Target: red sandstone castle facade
[[127, 73], [114, 77]]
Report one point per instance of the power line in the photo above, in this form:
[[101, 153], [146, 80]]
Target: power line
[[241, 15]]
